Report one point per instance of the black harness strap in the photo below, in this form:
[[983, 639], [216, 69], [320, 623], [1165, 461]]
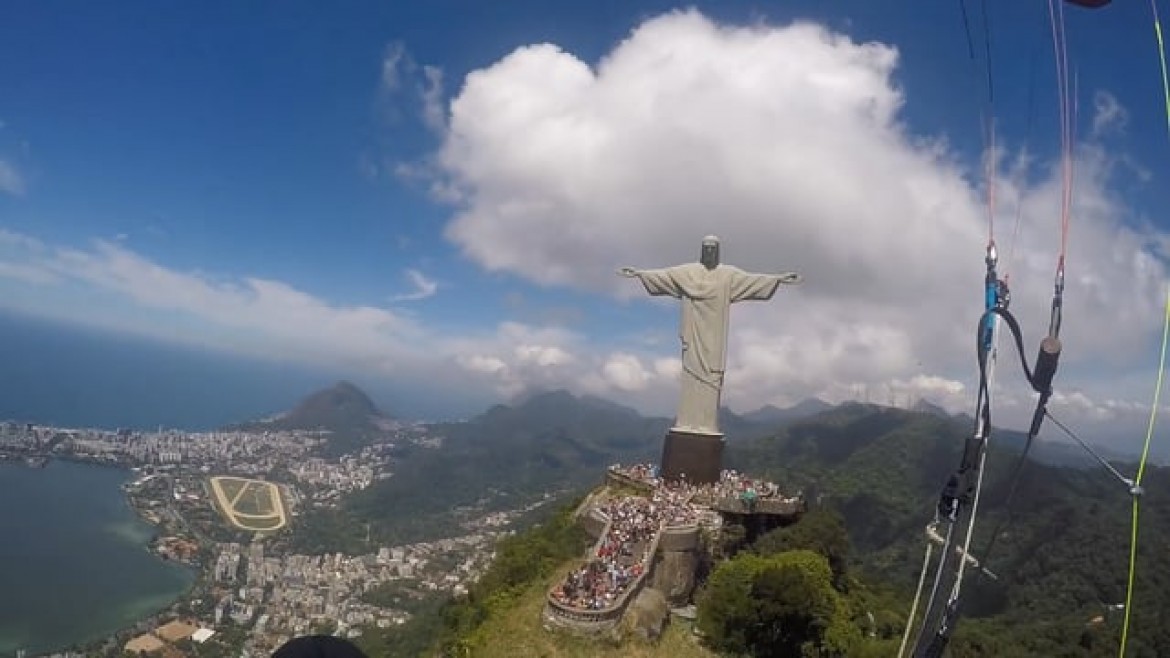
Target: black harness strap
[[959, 489]]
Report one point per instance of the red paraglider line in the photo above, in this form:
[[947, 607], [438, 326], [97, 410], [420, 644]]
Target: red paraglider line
[[938, 623], [1056, 17]]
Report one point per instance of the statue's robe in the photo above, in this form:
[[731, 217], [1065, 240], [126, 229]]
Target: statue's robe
[[706, 296]]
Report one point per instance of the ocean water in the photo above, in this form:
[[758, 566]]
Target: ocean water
[[52, 373], [74, 564], [73, 559], [58, 374]]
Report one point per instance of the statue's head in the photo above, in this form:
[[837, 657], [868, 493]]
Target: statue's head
[[710, 254]]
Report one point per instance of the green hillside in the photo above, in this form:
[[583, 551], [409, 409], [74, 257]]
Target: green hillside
[[1062, 560], [790, 591]]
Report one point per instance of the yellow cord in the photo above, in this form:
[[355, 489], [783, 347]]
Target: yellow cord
[[1133, 534], [1162, 59]]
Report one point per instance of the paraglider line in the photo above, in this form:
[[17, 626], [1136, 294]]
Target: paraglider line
[[1136, 490], [1060, 51], [987, 114], [917, 598], [987, 48], [989, 127], [959, 500], [1161, 59], [1022, 172], [1089, 449], [967, 29]]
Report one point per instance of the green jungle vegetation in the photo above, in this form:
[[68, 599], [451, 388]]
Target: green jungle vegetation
[[790, 593], [503, 458], [1061, 560]]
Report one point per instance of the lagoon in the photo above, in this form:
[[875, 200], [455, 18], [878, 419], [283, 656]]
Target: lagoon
[[74, 563]]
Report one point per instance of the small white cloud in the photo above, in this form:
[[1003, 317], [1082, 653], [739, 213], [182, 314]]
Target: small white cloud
[[543, 355], [423, 287], [267, 317], [394, 61], [20, 242], [11, 181], [27, 273], [625, 372], [520, 357], [1109, 116], [431, 92], [668, 368], [485, 364], [401, 72]]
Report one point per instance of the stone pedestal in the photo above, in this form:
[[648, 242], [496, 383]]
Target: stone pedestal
[[700, 456]]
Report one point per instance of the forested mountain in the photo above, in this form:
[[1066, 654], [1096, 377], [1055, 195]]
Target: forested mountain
[[1061, 560], [507, 455], [551, 441]]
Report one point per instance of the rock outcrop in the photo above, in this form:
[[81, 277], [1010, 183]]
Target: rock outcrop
[[646, 617], [674, 576]]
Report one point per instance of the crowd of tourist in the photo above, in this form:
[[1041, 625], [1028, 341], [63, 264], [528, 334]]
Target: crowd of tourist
[[624, 552], [677, 509], [621, 554], [731, 484]]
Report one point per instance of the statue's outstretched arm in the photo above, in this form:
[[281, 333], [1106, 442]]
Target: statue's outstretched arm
[[760, 287], [656, 282]]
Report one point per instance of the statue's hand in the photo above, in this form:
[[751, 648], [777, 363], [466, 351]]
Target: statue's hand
[[628, 272]]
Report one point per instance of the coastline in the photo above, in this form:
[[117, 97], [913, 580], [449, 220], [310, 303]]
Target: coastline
[[165, 478], [111, 639], [197, 569]]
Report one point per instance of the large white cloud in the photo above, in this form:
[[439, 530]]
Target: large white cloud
[[125, 290], [788, 142]]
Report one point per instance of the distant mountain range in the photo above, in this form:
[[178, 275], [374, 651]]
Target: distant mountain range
[[773, 415], [545, 441], [353, 419], [1062, 557], [558, 441]]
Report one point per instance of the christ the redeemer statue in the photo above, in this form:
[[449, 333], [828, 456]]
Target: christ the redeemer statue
[[707, 290]]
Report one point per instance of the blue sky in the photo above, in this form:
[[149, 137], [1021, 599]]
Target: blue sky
[[440, 192]]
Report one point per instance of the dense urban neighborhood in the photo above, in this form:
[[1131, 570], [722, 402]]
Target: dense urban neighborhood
[[253, 591]]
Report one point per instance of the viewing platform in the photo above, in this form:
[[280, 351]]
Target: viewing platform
[[632, 530]]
